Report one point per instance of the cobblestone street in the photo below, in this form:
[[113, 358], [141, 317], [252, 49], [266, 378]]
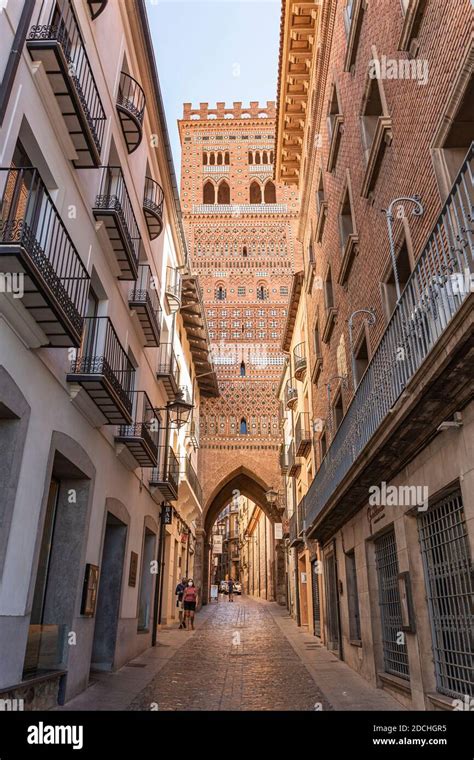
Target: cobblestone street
[[238, 660]]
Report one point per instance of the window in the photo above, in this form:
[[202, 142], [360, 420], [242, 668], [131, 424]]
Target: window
[[317, 341], [250, 157], [212, 159], [240, 291], [255, 193], [226, 159], [328, 291], [204, 158], [242, 369], [220, 293], [283, 290], [454, 136], [361, 359], [389, 288], [334, 124], [376, 131], [371, 111], [338, 412], [262, 293], [209, 193], [347, 235], [395, 654], [243, 426], [223, 193], [270, 193], [244, 251], [353, 17], [352, 597], [346, 223]]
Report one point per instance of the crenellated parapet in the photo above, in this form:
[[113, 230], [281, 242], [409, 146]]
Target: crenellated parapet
[[237, 111]]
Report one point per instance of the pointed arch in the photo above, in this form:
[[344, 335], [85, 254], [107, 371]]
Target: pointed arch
[[255, 192], [270, 192], [223, 192], [219, 159], [243, 428], [209, 193], [212, 159]]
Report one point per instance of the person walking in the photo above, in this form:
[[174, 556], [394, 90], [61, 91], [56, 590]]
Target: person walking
[[190, 597], [179, 601], [230, 586]]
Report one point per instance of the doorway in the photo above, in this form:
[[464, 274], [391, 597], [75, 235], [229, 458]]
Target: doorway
[[332, 602], [108, 600]]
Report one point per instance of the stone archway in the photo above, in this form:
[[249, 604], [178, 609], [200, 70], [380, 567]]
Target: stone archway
[[242, 481]]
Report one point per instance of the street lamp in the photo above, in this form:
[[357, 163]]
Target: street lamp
[[178, 411], [271, 496]]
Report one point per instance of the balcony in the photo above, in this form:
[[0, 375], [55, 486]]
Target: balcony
[[37, 253], [294, 461], [283, 459], [143, 299], [104, 370], [299, 361], [193, 432], [291, 395], [165, 476], [59, 46], [417, 376], [153, 207], [189, 476], [114, 208], [293, 532], [167, 370], [301, 512], [141, 437], [96, 7], [302, 434], [131, 109], [173, 289]]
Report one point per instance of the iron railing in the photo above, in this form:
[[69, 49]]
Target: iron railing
[[283, 458], [102, 353], [299, 360], [131, 97], [167, 470], [153, 197], [291, 394], [434, 293], [113, 196], [29, 218], [173, 282], [62, 27], [144, 291], [145, 421], [191, 476], [301, 512], [167, 362], [302, 433]]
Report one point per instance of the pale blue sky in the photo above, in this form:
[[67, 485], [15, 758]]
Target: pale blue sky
[[214, 50]]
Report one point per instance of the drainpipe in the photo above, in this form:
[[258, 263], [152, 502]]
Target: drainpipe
[[297, 588]]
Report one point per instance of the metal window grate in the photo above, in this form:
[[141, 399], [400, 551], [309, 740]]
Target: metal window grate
[[395, 654], [316, 600], [449, 586]]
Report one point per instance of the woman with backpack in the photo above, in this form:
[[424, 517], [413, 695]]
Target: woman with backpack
[[190, 596]]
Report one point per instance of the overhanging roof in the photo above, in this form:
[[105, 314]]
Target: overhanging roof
[[194, 321], [296, 288]]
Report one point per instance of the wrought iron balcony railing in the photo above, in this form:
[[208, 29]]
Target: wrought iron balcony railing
[[294, 461], [301, 512], [173, 288], [131, 109], [168, 370], [114, 208], [141, 437], [433, 295], [143, 299], [35, 243], [59, 45], [193, 432], [153, 198], [104, 370], [294, 537], [299, 361], [302, 434], [291, 394], [189, 473], [165, 476], [283, 458]]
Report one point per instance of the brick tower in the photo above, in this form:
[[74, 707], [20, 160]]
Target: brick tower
[[240, 227]]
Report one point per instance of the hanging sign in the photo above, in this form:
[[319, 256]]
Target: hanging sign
[[278, 530], [217, 545]]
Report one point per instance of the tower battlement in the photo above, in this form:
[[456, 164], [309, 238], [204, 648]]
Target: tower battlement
[[253, 111]]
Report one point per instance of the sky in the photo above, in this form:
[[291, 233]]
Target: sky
[[214, 50]]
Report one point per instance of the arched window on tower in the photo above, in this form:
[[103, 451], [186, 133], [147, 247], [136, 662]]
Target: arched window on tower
[[270, 192], [265, 157], [255, 192], [219, 159], [250, 157], [262, 293], [244, 251], [243, 426], [204, 158], [212, 159], [242, 369], [223, 192], [209, 193], [227, 159], [257, 157]]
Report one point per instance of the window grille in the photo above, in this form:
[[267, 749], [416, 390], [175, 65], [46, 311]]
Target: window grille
[[395, 654], [449, 587]]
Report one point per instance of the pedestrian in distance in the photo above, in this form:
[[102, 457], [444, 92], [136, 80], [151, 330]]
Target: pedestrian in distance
[[179, 600], [230, 586], [190, 597]]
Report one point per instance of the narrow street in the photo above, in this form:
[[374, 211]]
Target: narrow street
[[246, 655]]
